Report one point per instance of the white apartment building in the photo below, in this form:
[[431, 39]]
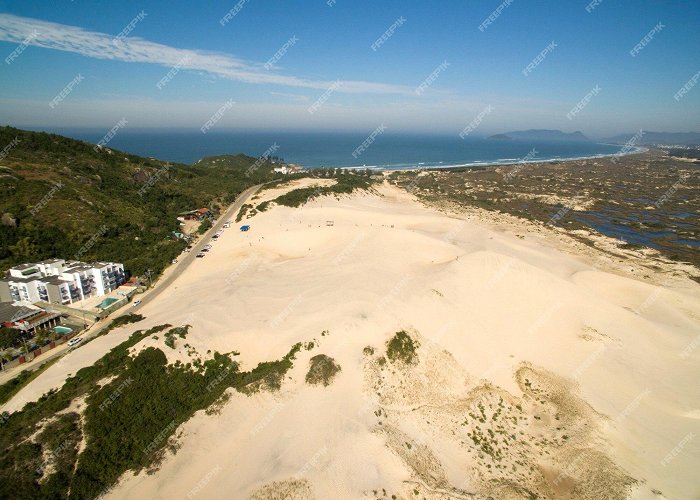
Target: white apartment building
[[58, 281]]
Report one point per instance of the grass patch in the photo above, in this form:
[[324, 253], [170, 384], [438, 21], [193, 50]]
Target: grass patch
[[402, 348], [322, 370], [12, 387]]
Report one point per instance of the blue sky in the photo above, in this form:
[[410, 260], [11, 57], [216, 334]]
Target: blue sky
[[221, 62]]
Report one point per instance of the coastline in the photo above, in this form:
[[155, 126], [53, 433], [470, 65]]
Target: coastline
[[496, 163]]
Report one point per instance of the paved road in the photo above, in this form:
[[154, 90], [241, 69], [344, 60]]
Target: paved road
[[172, 273]]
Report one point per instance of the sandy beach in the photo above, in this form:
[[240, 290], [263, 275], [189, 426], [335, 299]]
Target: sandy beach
[[542, 365]]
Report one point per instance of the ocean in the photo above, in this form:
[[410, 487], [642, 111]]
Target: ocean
[[319, 149]]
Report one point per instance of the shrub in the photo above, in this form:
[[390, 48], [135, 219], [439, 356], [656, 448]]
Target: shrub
[[322, 370], [402, 348]]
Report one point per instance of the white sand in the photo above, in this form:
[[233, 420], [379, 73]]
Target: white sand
[[481, 300]]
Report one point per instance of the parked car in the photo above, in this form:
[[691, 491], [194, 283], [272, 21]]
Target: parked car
[[136, 302], [245, 228], [200, 255], [74, 341], [174, 261]]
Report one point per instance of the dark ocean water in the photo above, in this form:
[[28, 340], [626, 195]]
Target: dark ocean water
[[388, 151]]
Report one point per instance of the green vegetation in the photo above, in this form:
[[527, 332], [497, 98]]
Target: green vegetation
[[402, 348], [346, 183], [180, 331], [204, 226], [322, 370], [9, 389], [170, 339], [268, 375], [56, 194], [128, 422], [242, 212]]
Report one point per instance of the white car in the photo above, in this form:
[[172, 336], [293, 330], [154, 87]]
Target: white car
[[136, 302], [174, 261], [200, 255], [74, 341]]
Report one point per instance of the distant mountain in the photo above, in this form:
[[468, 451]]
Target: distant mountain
[[500, 137], [542, 135], [686, 138]]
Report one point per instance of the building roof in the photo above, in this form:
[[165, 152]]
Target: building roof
[[10, 313]]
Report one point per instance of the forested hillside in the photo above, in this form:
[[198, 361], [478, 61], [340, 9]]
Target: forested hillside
[[61, 197]]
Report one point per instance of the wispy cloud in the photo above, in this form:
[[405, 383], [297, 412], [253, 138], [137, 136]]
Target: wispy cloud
[[129, 49]]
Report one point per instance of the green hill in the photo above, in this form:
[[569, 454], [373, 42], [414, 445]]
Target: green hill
[[58, 194]]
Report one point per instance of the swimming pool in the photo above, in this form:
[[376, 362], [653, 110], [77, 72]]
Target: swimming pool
[[63, 330], [107, 302]]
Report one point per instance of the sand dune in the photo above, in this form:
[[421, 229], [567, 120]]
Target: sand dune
[[536, 372]]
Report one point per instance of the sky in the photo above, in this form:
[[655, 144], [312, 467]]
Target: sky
[[603, 67]]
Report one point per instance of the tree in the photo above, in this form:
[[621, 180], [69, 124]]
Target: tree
[[204, 226], [9, 337]]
